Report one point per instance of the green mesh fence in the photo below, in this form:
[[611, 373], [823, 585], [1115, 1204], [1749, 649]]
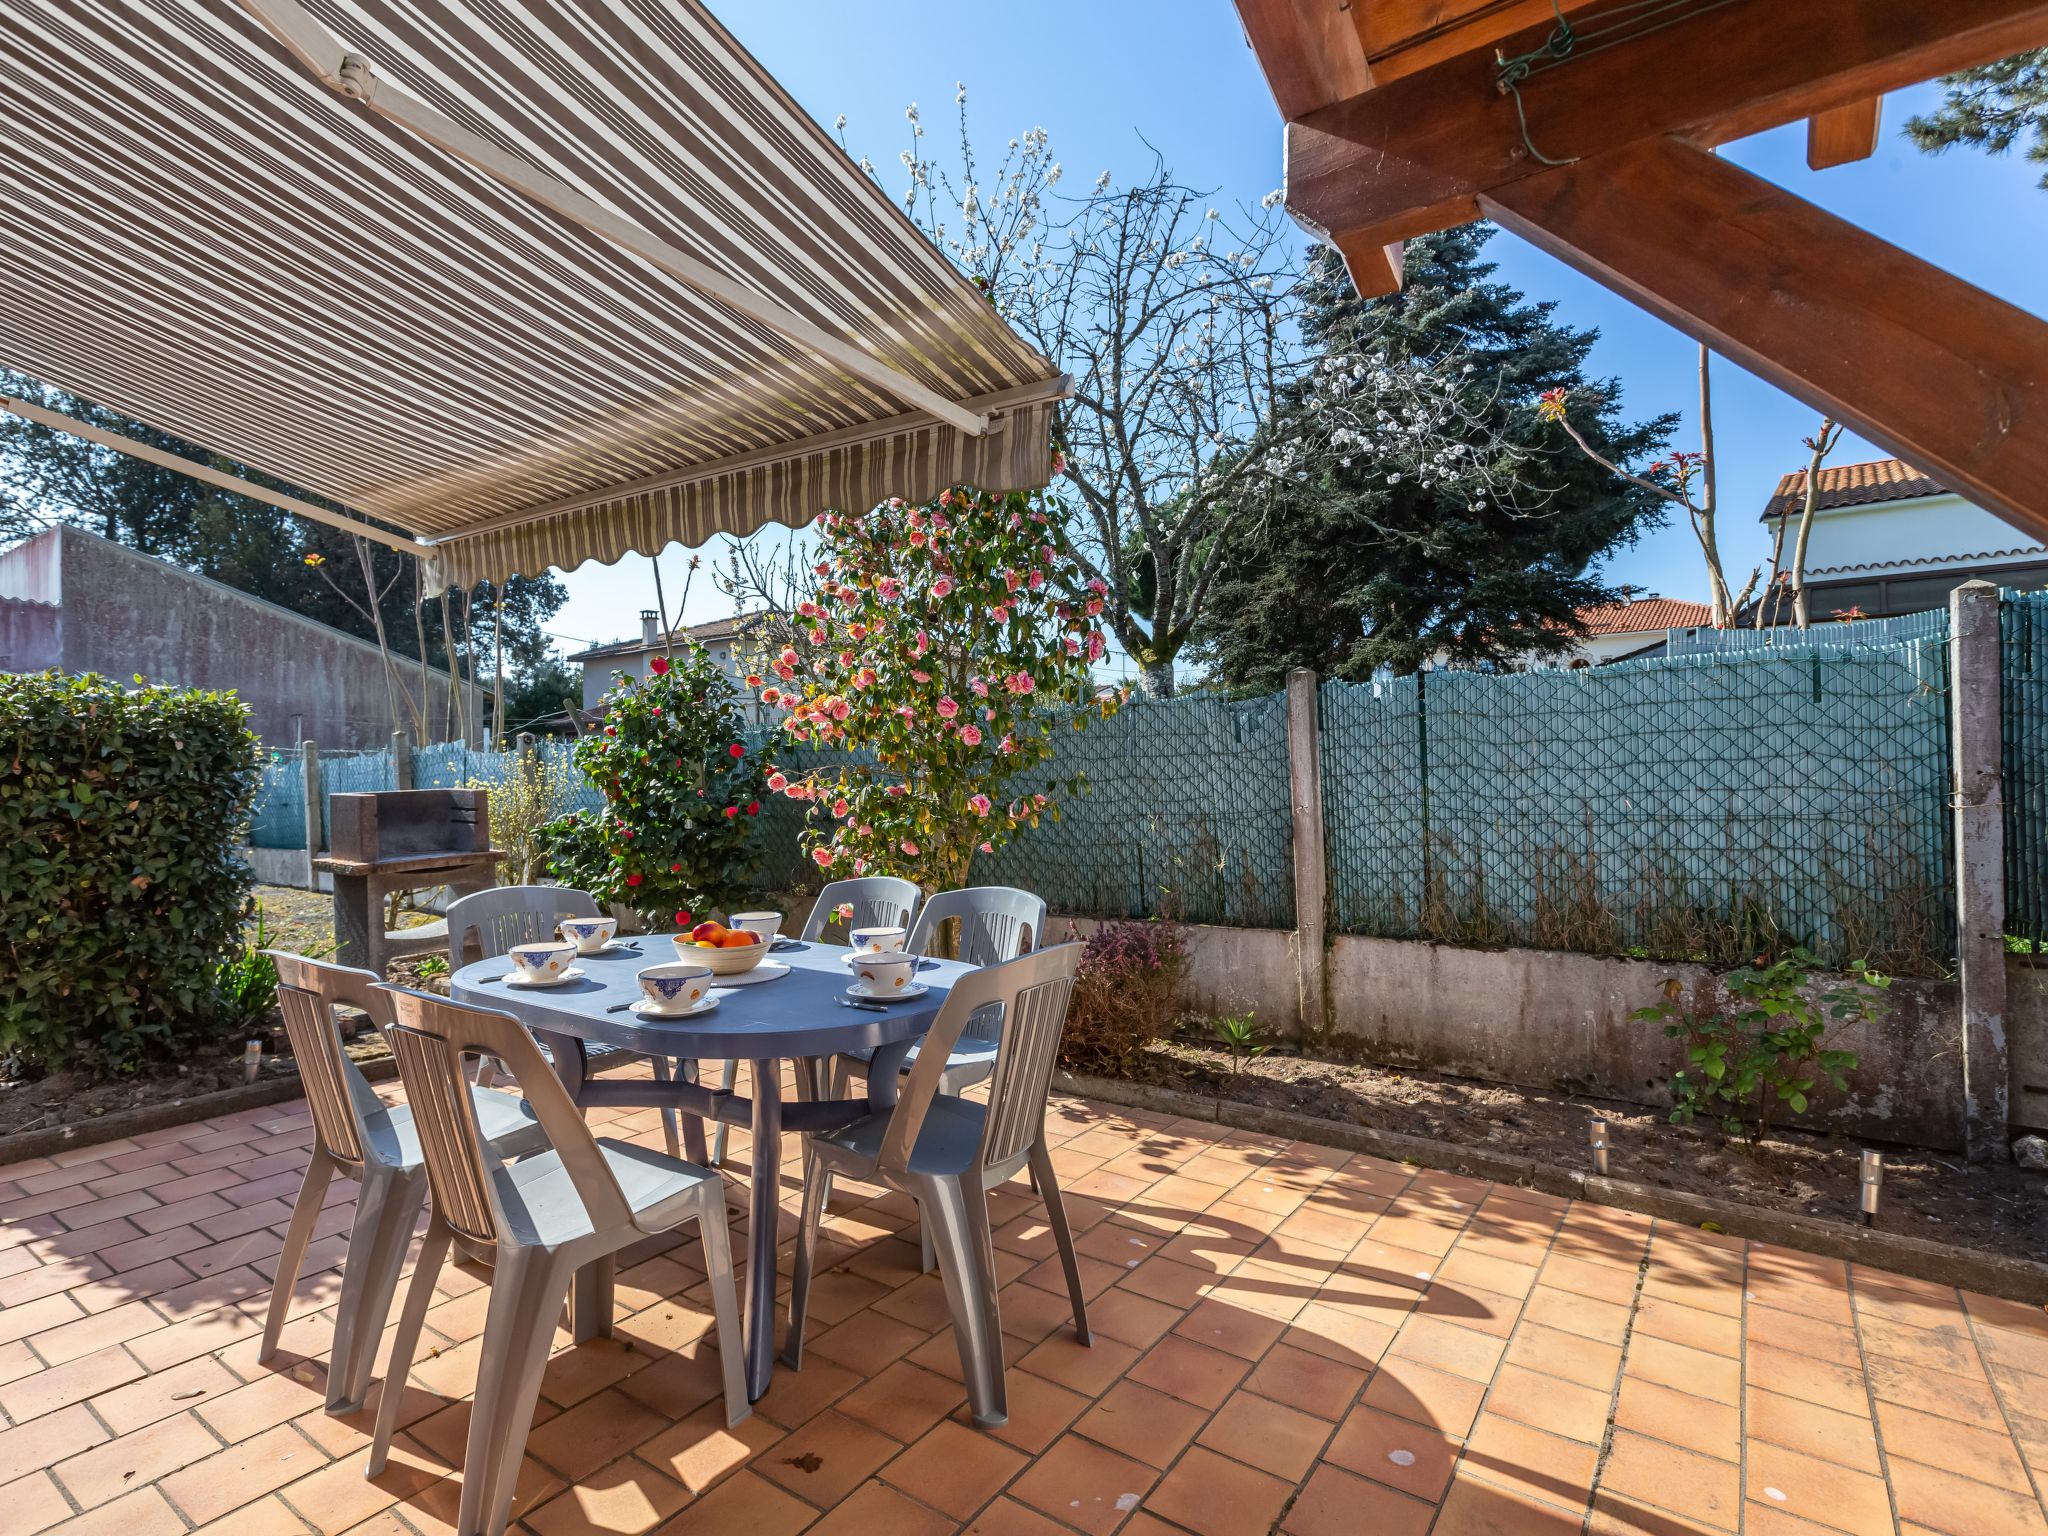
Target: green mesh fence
[[1701, 807], [2023, 636], [279, 817], [1186, 815]]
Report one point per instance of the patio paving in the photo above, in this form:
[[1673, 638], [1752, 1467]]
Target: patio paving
[[1287, 1337]]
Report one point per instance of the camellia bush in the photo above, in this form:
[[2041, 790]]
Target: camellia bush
[[122, 888], [681, 788], [942, 646]]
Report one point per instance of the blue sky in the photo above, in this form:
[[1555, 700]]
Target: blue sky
[[1099, 75]]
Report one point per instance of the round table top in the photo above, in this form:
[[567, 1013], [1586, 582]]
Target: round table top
[[789, 1016]]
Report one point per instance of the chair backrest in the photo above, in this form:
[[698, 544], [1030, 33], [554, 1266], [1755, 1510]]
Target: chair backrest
[[997, 923], [308, 992], [434, 1040], [877, 901], [511, 914], [1031, 995]]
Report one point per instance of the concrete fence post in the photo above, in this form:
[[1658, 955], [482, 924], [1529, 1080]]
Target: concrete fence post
[[309, 759], [401, 760], [525, 741], [1979, 808], [1311, 869]]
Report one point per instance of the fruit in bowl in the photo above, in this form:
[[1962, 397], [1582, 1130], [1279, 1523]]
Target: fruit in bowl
[[728, 951]]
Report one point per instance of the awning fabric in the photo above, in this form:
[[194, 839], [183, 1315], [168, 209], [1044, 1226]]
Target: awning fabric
[[202, 235]]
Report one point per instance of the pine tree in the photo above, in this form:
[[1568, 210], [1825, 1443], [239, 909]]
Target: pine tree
[[1348, 573], [1992, 108]]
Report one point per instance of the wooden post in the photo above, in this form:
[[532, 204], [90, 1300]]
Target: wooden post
[[1311, 870], [1979, 802], [309, 759], [401, 760]]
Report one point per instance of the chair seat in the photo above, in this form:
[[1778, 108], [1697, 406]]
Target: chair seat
[[502, 1118], [540, 1200], [946, 1143], [966, 1053]]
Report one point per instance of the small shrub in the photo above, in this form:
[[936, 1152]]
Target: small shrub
[[248, 982], [1243, 1036], [1741, 1064], [537, 790], [121, 887], [1126, 995]]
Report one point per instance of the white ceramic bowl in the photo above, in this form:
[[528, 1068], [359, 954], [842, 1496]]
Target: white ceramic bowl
[[884, 975], [875, 941], [589, 934], [766, 924], [676, 986], [721, 962], [543, 961]]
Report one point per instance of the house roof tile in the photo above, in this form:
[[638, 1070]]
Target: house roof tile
[[1853, 485], [1634, 616]]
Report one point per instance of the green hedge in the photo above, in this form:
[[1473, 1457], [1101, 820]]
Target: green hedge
[[121, 889]]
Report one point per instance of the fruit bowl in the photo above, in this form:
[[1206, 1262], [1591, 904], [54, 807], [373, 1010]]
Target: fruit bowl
[[722, 951]]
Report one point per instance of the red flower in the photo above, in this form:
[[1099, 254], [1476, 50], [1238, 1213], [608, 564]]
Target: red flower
[[658, 666], [753, 807], [737, 750], [731, 811], [682, 918], [675, 869], [632, 879]]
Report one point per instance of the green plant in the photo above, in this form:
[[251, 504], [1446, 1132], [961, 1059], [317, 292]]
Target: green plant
[[431, 965], [122, 889], [537, 790], [248, 982], [681, 790], [1127, 994], [1770, 1048], [945, 644], [1243, 1036]]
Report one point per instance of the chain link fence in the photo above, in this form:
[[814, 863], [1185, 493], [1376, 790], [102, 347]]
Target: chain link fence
[[1701, 807], [2023, 677]]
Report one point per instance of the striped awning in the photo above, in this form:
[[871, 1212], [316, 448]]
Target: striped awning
[[560, 282]]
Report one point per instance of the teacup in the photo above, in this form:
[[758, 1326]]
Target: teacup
[[875, 941], [676, 986], [544, 961], [884, 974], [766, 924], [590, 935]]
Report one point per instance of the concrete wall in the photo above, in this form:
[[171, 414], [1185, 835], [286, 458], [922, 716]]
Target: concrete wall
[[1556, 1021], [122, 613]]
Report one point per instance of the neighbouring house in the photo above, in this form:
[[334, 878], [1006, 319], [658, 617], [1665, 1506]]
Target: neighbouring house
[[726, 640], [72, 600], [1888, 539], [1639, 626]]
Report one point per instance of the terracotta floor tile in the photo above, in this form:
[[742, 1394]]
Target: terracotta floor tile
[[1308, 1381], [1613, 1514], [33, 1504], [1718, 1378], [107, 1471], [1542, 1466], [1474, 1507], [1414, 1458], [1944, 1500], [1191, 1372], [1445, 1346], [796, 1396], [1949, 1349], [1817, 1490], [45, 1441], [1136, 1421], [1503, 1277], [1562, 1407], [1082, 1484], [1567, 1312], [1678, 1418], [1699, 1488], [827, 1458], [954, 1469], [876, 1509], [1598, 1282], [903, 1401], [145, 1512], [1712, 1332], [1936, 1392], [1411, 1391], [700, 1450], [1270, 1436], [744, 1502], [1040, 1412], [867, 1341], [1224, 1325], [1006, 1517], [1084, 1368], [208, 1489], [1213, 1495], [73, 1382], [1356, 1337], [338, 1497], [1132, 1319], [600, 1429], [1333, 1502]]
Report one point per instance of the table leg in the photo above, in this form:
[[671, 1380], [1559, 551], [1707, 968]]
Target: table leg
[[590, 1298], [764, 1225]]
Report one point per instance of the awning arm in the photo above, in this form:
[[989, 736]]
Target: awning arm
[[350, 73], [57, 421]]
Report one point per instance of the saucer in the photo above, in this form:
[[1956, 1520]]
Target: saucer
[[766, 970], [855, 959], [915, 989], [646, 1009], [516, 980], [614, 947]]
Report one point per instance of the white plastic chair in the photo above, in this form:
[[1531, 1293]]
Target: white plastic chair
[[507, 915], [358, 1136], [574, 1205], [948, 1152], [877, 901]]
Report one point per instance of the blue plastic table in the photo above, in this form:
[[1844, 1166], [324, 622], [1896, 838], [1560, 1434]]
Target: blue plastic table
[[791, 1018]]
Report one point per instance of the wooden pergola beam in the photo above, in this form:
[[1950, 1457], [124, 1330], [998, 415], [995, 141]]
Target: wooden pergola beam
[[1415, 154], [1843, 135], [1311, 56], [1938, 372]]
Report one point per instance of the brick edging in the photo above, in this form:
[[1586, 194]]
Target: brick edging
[[20, 1146], [1992, 1274]]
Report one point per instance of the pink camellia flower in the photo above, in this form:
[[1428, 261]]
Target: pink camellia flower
[[788, 656], [1098, 586], [895, 503], [822, 857], [822, 568], [731, 811], [924, 643], [1035, 580], [1096, 645], [918, 675], [988, 714], [1000, 614], [841, 709], [1007, 744], [943, 587], [1071, 646], [917, 538], [948, 709], [1092, 607], [754, 679], [1019, 683], [888, 589], [771, 695], [857, 631], [785, 670], [946, 498], [980, 804], [846, 658], [633, 879], [970, 735], [1011, 579], [1059, 463], [808, 610], [778, 782], [817, 637], [908, 847], [840, 808], [979, 685], [897, 791]]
